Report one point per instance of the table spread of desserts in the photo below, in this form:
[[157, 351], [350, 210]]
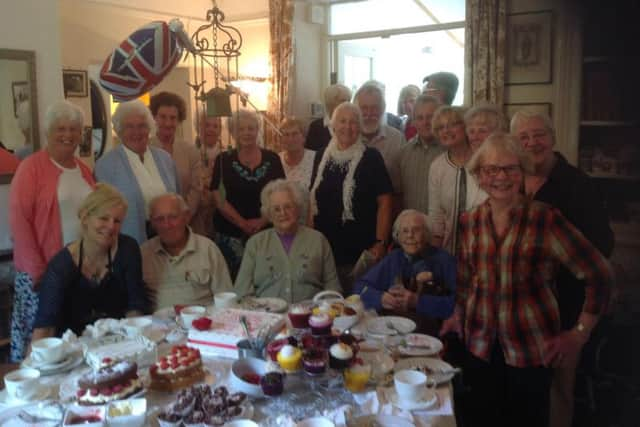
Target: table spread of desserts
[[323, 362]]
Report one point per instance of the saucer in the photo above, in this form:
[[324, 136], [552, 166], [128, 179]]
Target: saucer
[[73, 360], [42, 393], [29, 362], [428, 399]]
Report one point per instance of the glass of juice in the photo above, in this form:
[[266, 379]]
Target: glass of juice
[[356, 377]]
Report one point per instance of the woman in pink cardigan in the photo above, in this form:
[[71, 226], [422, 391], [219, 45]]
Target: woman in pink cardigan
[[45, 194]]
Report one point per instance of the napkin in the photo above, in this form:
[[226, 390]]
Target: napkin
[[102, 327]]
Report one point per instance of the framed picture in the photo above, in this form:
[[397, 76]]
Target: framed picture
[[75, 83], [536, 107], [20, 92], [529, 56]]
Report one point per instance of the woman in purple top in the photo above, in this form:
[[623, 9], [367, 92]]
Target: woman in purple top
[[289, 261]]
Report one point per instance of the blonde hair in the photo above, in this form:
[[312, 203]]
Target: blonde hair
[[102, 197], [292, 122], [445, 114], [500, 142], [488, 114]]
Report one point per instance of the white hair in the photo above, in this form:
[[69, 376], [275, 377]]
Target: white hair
[[489, 113], [297, 192], [63, 110], [346, 106], [125, 109], [373, 87], [397, 224], [172, 196]]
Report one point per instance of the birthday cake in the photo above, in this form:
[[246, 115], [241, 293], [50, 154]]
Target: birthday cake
[[140, 350], [225, 331]]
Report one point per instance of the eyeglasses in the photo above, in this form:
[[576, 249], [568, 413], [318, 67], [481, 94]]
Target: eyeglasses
[[494, 170]]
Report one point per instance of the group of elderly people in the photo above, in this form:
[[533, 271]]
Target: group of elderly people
[[496, 236]]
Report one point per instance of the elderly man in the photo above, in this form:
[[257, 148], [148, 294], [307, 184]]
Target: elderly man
[[418, 278], [375, 134], [319, 133], [417, 155], [442, 85], [178, 265]]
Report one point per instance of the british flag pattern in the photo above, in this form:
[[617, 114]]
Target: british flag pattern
[[140, 62]]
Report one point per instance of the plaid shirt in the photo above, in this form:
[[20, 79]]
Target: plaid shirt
[[506, 288]]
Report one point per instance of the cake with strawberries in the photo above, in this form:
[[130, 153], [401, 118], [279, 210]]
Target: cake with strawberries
[[180, 369], [114, 380]]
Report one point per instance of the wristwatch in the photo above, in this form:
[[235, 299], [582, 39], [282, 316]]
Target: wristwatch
[[582, 330]]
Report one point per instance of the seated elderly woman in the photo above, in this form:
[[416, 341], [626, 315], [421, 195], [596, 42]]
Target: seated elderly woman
[[289, 261], [416, 277], [99, 275]]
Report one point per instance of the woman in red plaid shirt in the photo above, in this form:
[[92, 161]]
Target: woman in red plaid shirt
[[506, 306]]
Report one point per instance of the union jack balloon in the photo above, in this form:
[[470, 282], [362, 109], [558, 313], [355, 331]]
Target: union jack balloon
[[141, 61]]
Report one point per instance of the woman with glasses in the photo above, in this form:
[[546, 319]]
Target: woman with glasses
[[417, 277], [139, 171], [452, 189], [506, 299], [289, 261], [97, 276]]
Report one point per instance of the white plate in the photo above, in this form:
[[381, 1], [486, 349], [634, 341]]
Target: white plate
[[28, 362], [433, 365], [427, 400], [419, 345], [42, 393], [378, 325], [9, 415], [270, 305], [74, 360], [380, 421]]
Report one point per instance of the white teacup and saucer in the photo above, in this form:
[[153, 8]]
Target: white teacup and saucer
[[23, 386], [49, 354], [412, 391]]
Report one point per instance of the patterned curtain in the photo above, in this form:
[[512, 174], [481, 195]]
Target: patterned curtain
[[485, 52], [281, 51]]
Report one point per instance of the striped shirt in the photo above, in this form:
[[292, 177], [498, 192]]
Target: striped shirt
[[507, 288], [415, 162]]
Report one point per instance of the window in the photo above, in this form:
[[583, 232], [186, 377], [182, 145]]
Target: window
[[397, 42]]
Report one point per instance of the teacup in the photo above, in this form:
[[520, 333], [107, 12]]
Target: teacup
[[23, 383], [48, 350], [225, 299], [137, 326], [410, 385], [191, 313]]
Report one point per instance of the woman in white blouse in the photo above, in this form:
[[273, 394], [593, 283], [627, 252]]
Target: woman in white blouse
[[296, 160], [452, 189]]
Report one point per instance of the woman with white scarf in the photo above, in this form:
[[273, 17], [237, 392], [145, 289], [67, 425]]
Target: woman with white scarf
[[351, 194]]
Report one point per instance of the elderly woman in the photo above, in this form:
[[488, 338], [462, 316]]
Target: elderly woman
[[238, 178], [208, 141], [480, 121], [319, 133], [416, 278], [98, 275], [169, 111], [506, 299], [296, 160], [452, 190], [289, 261], [406, 102], [45, 194], [351, 194], [577, 197], [138, 170]]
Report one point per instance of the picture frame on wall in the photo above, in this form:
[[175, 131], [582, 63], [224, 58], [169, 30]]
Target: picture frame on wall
[[535, 107], [75, 83], [529, 48], [20, 92]]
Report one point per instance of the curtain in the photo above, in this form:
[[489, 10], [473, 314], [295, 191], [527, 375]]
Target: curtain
[[281, 56], [485, 51]]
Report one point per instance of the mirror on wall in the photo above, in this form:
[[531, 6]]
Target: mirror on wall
[[19, 130]]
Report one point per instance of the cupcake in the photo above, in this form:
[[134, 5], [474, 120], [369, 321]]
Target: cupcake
[[272, 384], [340, 355], [274, 347], [320, 324], [289, 358], [314, 361], [299, 316]]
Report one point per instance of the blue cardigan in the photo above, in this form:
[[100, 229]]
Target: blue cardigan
[[114, 168], [382, 275]]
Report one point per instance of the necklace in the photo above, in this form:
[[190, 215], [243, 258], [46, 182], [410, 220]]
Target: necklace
[[94, 272]]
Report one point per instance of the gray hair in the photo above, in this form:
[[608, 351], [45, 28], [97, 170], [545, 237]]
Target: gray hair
[[397, 224], [172, 196], [424, 100], [404, 94], [333, 92], [373, 87], [488, 113], [63, 110], [126, 109], [522, 116], [295, 190], [346, 106], [504, 143], [243, 114]]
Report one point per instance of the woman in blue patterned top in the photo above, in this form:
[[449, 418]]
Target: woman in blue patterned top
[[238, 178]]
